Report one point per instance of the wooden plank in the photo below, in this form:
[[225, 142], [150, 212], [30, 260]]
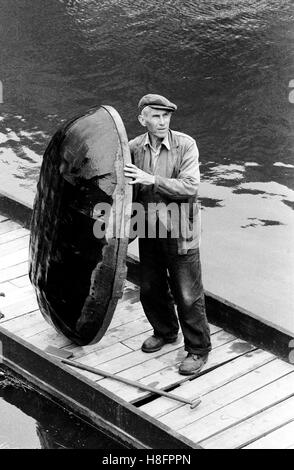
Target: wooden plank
[[6, 287], [138, 364], [126, 313], [228, 393], [9, 287], [16, 324], [134, 358], [13, 272], [22, 281], [13, 235], [282, 438], [14, 245], [141, 364], [170, 375], [107, 354], [136, 341], [87, 398], [255, 428], [169, 355], [131, 293], [30, 324], [16, 294], [8, 226], [244, 325], [208, 382], [48, 337], [115, 335], [16, 309], [14, 258], [244, 408], [27, 325], [112, 336]]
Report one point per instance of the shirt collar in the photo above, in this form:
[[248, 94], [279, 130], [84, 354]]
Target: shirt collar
[[165, 141]]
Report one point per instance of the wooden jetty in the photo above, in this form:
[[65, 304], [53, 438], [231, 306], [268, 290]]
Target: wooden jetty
[[247, 392]]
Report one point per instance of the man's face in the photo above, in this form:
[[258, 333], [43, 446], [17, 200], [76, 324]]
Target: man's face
[[156, 120]]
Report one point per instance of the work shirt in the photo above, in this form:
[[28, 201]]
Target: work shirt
[[177, 178], [155, 151]]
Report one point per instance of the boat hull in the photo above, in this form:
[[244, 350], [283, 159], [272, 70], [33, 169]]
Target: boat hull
[[77, 247]]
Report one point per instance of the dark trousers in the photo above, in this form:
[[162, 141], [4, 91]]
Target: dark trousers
[[168, 278]]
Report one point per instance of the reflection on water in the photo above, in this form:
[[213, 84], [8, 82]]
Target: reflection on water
[[29, 421], [227, 64]]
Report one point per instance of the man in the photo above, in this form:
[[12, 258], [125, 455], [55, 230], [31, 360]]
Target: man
[[166, 170]]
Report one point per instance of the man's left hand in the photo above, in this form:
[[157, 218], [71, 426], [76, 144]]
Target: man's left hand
[[140, 176]]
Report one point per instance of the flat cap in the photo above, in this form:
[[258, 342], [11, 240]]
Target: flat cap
[[156, 102]]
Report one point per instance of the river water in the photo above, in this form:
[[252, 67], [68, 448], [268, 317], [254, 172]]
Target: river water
[[227, 64], [29, 421]]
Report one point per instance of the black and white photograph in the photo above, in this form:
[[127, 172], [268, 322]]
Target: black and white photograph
[[146, 227]]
